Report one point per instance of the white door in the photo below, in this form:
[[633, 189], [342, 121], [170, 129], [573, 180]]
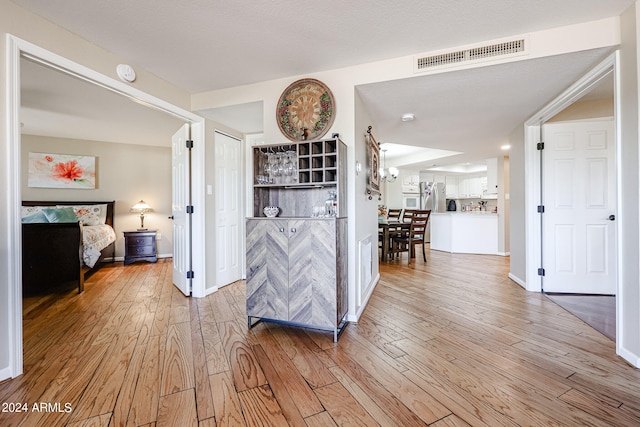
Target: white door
[[180, 199], [228, 208], [579, 197]]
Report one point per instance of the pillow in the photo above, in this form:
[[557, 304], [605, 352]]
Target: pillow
[[60, 214], [30, 210], [89, 214], [37, 217]]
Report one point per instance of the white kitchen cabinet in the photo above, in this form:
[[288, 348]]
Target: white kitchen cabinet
[[426, 177], [492, 176], [411, 179], [451, 186], [470, 186], [439, 178]]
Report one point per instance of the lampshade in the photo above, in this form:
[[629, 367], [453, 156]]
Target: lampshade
[[142, 208]]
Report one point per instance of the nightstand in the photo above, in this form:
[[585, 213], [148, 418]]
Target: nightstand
[[140, 246]]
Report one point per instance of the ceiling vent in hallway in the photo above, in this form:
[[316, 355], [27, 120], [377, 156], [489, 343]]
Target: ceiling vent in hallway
[[459, 57]]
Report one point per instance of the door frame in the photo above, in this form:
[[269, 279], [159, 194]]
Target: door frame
[[532, 189], [16, 48], [532, 161]]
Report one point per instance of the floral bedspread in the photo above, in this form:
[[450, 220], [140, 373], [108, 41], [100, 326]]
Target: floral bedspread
[[94, 239]]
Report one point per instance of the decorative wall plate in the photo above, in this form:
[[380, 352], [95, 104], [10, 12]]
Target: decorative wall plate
[[306, 110]]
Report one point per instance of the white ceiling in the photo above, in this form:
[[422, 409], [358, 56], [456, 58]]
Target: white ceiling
[[201, 45], [59, 105]]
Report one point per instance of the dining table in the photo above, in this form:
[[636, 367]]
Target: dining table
[[388, 228]]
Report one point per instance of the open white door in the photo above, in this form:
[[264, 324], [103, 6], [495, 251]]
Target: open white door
[[228, 209], [180, 199], [579, 196]]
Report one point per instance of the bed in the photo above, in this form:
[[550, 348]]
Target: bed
[[64, 242]]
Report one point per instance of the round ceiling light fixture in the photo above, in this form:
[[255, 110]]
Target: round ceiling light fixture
[[408, 117], [506, 147]]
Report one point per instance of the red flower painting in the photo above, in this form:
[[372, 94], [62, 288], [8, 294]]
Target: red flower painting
[[68, 170], [48, 170]]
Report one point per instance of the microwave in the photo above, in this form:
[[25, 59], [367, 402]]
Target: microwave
[[411, 201]]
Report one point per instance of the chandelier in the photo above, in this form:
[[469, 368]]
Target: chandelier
[[388, 175]]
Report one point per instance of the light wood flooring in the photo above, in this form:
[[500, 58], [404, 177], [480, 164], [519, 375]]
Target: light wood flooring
[[449, 343], [598, 311]]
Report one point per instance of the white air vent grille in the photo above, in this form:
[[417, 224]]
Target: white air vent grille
[[476, 53]]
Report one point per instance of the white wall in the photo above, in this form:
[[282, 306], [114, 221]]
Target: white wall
[[628, 300], [125, 173], [517, 223]]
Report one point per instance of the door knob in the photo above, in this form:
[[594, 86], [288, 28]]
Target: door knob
[[612, 218]]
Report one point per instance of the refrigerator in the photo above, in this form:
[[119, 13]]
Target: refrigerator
[[433, 196]]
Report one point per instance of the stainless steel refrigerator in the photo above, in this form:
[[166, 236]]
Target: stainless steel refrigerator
[[433, 196]]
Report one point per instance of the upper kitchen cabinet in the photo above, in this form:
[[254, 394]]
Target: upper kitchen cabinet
[[492, 176], [451, 186], [471, 186], [411, 179]]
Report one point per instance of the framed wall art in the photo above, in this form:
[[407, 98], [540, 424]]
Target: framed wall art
[[373, 165], [61, 171]]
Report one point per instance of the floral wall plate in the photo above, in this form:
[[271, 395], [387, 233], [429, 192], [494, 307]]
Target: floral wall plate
[[306, 110]]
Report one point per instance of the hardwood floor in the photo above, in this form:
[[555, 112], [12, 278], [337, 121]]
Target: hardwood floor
[[449, 343], [598, 311]]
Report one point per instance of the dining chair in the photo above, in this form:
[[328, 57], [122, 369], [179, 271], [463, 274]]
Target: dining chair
[[394, 214], [408, 214], [415, 236]]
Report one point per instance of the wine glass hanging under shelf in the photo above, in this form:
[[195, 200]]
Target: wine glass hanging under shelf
[[278, 164]]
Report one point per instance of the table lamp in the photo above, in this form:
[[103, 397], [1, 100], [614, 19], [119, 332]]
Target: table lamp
[[142, 208]]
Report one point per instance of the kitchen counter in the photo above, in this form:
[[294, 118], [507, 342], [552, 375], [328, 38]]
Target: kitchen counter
[[474, 232]]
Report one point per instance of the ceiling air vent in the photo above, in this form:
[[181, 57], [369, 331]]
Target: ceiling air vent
[[477, 53]]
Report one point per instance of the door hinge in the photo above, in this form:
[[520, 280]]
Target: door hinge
[[540, 146], [190, 209], [540, 208], [189, 143], [190, 274], [541, 272]]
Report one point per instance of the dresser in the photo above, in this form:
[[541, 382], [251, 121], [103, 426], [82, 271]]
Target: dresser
[[140, 246]]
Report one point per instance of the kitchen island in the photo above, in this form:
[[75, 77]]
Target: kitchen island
[[465, 232]]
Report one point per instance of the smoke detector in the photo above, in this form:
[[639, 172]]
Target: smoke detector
[[126, 73]]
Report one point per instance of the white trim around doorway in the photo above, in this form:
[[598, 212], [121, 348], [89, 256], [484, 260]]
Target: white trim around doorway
[[16, 48], [532, 185]]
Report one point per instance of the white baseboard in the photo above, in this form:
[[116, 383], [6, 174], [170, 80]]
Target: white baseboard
[[504, 253], [629, 356], [159, 256], [354, 317], [518, 280], [5, 373]]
